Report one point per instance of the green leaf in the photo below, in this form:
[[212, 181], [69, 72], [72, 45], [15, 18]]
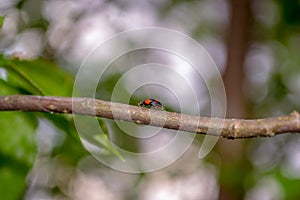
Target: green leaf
[[1, 21], [12, 183], [17, 135], [38, 77]]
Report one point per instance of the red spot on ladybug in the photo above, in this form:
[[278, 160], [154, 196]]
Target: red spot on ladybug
[[151, 103], [147, 101]]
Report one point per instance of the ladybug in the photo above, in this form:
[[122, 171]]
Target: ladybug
[[151, 103]]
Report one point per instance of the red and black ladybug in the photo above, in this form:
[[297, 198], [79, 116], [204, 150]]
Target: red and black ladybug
[[151, 103]]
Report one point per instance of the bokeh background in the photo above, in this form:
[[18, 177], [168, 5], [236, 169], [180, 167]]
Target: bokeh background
[[255, 45]]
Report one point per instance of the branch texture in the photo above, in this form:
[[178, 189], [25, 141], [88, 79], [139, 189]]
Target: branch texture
[[226, 128]]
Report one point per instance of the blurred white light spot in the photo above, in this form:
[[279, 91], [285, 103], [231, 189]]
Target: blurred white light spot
[[48, 137], [91, 188], [259, 63], [92, 31], [258, 66], [57, 10], [3, 74], [293, 84], [7, 3], [160, 189], [28, 45], [266, 12], [216, 49], [197, 184], [267, 188], [291, 165], [264, 153]]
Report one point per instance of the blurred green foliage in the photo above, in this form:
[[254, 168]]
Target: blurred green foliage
[[18, 148], [18, 145], [1, 21]]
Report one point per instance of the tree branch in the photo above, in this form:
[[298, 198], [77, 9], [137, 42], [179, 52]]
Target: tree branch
[[226, 128]]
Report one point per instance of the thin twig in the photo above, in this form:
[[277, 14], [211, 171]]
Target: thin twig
[[226, 128]]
